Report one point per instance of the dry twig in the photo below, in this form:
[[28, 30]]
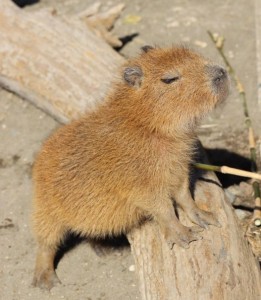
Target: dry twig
[[219, 43], [228, 170]]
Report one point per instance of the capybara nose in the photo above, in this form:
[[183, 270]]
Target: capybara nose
[[217, 74]]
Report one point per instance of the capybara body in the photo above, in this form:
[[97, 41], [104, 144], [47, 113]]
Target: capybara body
[[126, 161]]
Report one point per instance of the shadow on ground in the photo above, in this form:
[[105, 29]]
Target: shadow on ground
[[23, 3], [101, 247]]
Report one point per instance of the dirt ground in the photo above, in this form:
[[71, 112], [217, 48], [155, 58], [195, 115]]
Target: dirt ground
[[23, 128]]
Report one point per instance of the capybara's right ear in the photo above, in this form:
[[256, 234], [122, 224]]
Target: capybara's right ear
[[146, 48], [133, 76]]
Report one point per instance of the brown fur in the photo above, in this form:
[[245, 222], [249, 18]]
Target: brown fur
[[106, 172]]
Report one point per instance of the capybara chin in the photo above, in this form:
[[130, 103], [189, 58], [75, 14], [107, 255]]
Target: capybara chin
[[125, 162]]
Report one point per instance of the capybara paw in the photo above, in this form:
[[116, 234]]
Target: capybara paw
[[203, 218], [45, 280], [182, 236]]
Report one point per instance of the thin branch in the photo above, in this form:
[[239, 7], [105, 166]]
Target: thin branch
[[228, 170], [219, 43]]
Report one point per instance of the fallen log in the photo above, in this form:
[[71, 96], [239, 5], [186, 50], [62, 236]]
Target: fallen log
[[60, 66], [63, 68]]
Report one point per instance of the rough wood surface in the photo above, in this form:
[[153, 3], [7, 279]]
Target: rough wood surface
[[60, 66], [102, 23], [65, 69], [221, 266]]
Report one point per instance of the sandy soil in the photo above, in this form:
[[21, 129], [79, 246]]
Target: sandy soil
[[85, 275]]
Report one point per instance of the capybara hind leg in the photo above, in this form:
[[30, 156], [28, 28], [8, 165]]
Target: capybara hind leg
[[44, 274], [49, 235]]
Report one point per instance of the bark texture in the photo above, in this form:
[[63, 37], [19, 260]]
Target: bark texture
[[65, 69], [59, 65]]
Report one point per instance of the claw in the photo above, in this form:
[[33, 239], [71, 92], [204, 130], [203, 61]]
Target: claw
[[203, 218]]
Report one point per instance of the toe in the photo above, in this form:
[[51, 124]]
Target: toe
[[203, 218], [196, 229]]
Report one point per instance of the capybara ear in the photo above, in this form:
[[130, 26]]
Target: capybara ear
[[146, 48], [133, 76]]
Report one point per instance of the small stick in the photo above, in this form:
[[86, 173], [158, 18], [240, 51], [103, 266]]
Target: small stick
[[257, 209], [219, 43], [228, 170]]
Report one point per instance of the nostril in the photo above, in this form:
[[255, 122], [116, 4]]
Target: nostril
[[217, 73], [221, 73], [218, 79]]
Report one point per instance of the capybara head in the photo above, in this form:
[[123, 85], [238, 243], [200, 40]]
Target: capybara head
[[176, 86]]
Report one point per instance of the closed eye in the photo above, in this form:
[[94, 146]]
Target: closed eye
[[170, 79]]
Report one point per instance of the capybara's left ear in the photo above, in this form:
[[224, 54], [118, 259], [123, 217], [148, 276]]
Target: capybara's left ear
[[146, 48]]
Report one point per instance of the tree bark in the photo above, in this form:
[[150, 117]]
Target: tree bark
[[60, 66], [63, 68]]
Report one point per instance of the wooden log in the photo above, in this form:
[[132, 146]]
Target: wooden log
[[62, 67], [65, 69], [221, 266], [102, 23]]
